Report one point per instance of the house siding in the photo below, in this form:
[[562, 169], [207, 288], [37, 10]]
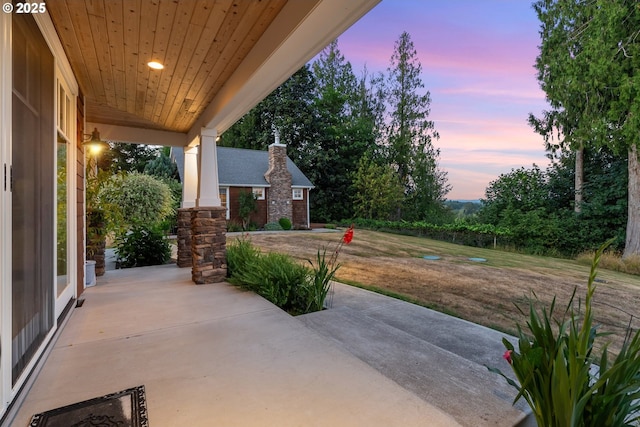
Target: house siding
[[300, 211], [259, 217]]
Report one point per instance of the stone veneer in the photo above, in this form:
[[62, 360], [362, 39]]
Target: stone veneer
[[184, 238], [208, 245], [279, 199]]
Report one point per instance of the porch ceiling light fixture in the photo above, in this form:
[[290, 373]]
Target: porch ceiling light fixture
[[93, 142], [155, 65]]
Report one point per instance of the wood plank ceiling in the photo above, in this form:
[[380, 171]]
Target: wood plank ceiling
[[200, 43]]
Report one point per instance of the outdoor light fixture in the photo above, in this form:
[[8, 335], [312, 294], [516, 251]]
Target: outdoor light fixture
[[155, 65], [94, 143]]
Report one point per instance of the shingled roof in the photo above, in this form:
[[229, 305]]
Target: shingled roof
[[239, 167]]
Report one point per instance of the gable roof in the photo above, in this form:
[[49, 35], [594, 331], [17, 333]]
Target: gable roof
[[239, 167]]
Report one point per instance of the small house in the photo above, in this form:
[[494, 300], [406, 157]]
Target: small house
[[280, 188]]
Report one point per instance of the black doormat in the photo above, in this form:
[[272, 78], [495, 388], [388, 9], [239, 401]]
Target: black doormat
[[127, 408]]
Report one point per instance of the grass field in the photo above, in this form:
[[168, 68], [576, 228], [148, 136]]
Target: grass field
[[481, 292]]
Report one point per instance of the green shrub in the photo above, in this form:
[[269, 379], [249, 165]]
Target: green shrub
[[279, 278], [241, 256], [142, 246], [276, 277], [285, 223], [135, 199], [233, 226], [272, 226]]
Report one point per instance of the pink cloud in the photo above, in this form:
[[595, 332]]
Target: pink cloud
[[478, 63]]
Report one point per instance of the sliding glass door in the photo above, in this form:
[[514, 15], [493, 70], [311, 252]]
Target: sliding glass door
[[33, 193]]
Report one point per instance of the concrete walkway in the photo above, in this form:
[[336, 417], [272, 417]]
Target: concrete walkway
[[439, 358], [213, 355]]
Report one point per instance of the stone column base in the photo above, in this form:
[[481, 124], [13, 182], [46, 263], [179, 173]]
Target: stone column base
[[184, 238], [208, 245]]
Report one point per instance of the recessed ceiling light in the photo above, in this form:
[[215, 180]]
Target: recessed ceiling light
[[155, 65]]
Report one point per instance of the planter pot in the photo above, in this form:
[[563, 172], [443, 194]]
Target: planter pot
[[89, 273]]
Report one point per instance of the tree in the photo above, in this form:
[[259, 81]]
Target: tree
[[522, 189], [378, 191], [537, 205], [289, 108], [600, 73], [410, 133], [125, 157], [345, 134], [162, 166], [560, 52], [328, 118], [248, 205]]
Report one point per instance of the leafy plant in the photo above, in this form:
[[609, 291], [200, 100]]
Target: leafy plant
[[320, 283], [241, 255], [285, 223], [96, 232], [554, 368], [248, 205], [142, 246], [276, 277]]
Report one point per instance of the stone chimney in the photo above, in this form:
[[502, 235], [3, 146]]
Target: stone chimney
[[279, 196]]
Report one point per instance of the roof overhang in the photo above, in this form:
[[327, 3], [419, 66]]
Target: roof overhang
[[282, 37]]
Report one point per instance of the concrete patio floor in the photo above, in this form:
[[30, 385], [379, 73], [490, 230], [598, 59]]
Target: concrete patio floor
[[213, 355]]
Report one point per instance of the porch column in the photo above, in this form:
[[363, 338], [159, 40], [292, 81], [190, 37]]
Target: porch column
[[190, 177], [208, 188], [189, 194], [208, 218]]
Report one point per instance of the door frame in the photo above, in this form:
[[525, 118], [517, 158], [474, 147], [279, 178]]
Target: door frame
[[5, 211], [63, 71]]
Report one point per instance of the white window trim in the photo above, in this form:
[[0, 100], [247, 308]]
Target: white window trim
[[69, 134], [226, 191], [261, 192], [293, 193]]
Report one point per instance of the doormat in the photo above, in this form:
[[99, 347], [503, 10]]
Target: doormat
[[127, 408]]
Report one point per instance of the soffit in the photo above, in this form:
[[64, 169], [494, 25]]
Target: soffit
[[221, 57], [200, 43]]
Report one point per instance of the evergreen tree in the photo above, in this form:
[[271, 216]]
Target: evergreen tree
[[344, 135], [595, 44], [125, 157], [378, 191], [410, 135], [162, 166]]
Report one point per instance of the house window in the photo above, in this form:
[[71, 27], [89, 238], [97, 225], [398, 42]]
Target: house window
[[258, 192], [224, 196], [298, 194]]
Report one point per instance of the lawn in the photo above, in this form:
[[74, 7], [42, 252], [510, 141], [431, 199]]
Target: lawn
[[481, 292]]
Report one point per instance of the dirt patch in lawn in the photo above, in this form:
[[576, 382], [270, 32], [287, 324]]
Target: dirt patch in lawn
[[481, 292]]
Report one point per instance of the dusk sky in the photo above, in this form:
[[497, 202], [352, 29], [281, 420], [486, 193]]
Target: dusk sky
[[477, 61]]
